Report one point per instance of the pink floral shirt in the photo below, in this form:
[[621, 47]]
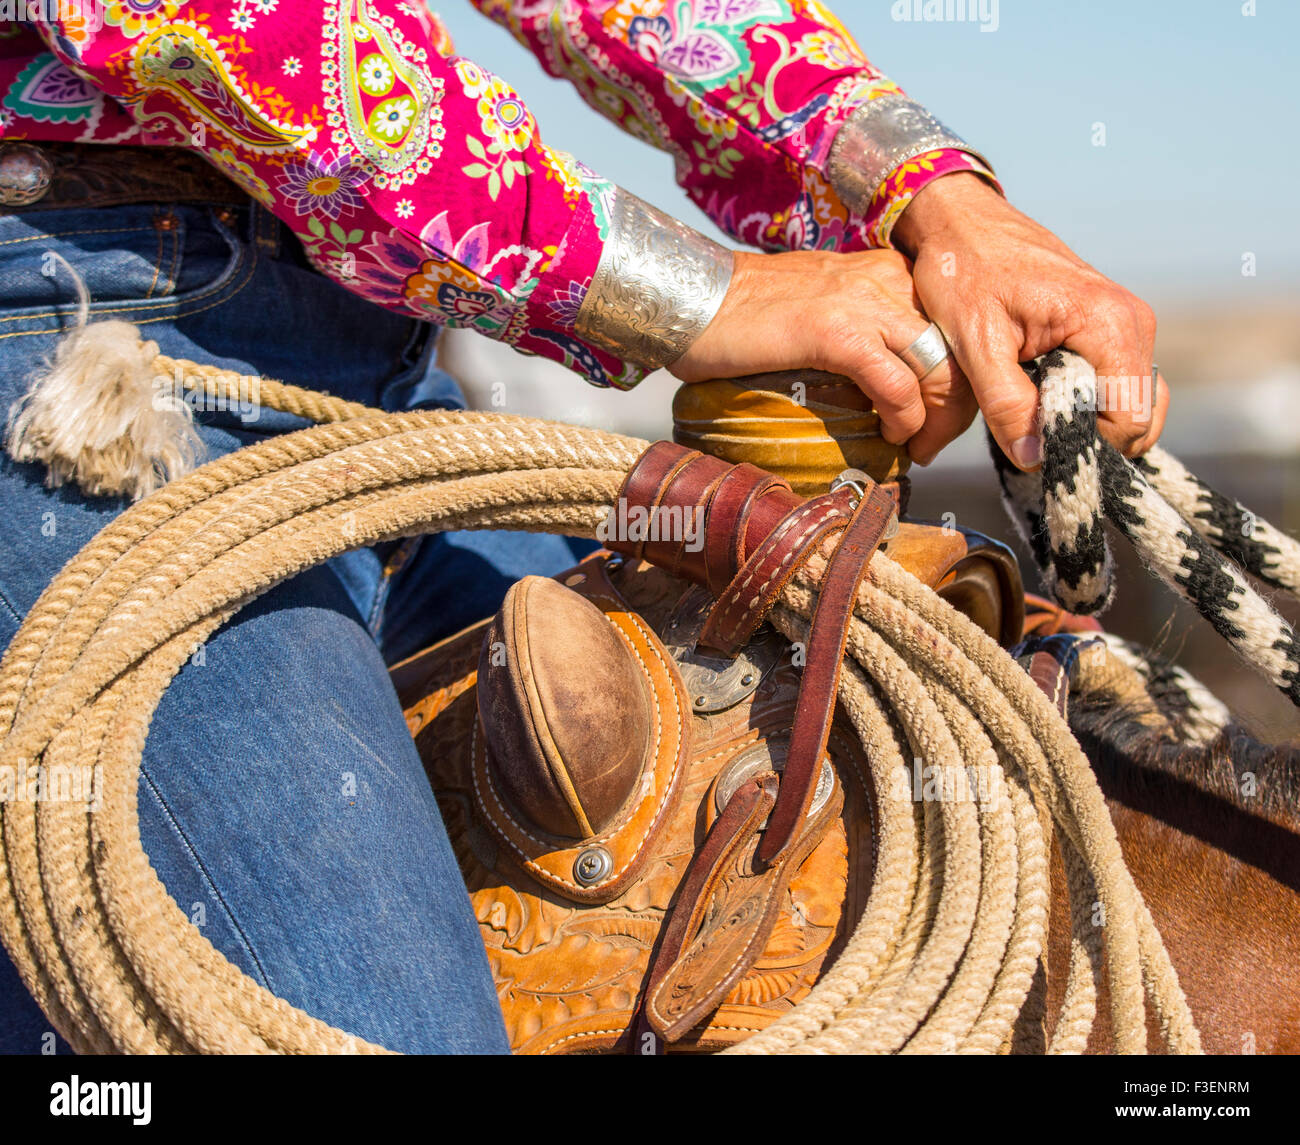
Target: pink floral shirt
[[420, 181]]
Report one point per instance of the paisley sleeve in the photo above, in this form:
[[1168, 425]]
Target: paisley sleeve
[[761, 103], [416, 179]]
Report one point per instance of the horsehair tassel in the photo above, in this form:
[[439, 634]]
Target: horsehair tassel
[[109, 414], [1059, 511], [96, 416]]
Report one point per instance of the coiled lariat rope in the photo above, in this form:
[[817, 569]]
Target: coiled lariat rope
[[943, 957]]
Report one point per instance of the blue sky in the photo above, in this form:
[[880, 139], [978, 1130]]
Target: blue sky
[[1201, 106]]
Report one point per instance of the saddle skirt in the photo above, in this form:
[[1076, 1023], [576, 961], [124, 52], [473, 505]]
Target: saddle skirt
[[606, 776]]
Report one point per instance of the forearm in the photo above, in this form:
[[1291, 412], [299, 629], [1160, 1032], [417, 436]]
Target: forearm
[[764, 106]]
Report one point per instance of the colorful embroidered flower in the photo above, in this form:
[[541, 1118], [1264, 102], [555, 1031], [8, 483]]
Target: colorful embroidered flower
[[241, 19], [291, 66], [649, 36], [472, 249], [504, 117], [796, 229], [78, 27], [465, 306], [474, 81], [565, 168], [564, 307], [447, 292], [266, 7], [135, 17], [387, 262], [404, 209], [620, 15], [323, 186], [827, 50], [392, 117], [712, 125], [376, 74]]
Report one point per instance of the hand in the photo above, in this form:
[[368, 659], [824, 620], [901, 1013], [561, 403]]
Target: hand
[[1004, 290], [847, 314]]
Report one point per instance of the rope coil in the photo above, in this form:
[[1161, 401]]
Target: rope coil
[[946, 953]]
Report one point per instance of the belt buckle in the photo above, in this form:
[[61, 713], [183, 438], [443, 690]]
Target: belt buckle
[[25, 174]]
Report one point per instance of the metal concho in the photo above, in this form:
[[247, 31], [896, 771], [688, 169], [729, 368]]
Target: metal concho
[[714, 683], [25, 174], [592, 865], [768, 756]]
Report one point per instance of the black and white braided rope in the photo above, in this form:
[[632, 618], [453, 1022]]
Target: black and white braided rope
[[1261, 549], [1173, 519], [1196, 715]]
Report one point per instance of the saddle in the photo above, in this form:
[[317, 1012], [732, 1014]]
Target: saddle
[[661, 815]]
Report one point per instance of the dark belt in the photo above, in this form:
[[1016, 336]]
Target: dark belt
[[38, 177]]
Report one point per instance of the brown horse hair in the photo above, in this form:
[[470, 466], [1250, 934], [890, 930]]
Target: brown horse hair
[[1234, 792]]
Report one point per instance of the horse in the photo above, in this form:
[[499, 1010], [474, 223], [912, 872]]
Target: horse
[[1211, 833]]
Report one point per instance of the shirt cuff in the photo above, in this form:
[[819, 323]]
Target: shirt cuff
[[885, 152], [902, 184]]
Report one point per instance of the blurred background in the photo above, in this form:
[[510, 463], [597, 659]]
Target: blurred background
[[1156, 138]]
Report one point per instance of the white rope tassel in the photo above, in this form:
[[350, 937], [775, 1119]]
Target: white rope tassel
[[95, 417]]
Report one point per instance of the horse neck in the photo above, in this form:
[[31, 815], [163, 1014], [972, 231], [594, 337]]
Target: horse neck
[[1233, 792]]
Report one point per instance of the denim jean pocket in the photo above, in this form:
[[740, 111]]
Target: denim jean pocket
[[125, 254]]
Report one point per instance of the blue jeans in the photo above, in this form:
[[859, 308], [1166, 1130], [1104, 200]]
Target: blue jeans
[[281, 798]]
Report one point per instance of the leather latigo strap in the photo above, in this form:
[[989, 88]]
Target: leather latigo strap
[[726, 910], [740, 507], [752, 592], [821, 675]]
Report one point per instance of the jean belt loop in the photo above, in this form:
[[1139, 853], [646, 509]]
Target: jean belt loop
[[265, 230]]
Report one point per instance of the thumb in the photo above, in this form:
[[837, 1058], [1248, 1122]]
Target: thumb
[[1007, 398]]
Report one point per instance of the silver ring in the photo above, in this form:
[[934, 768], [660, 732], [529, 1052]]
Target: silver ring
[[927, 352]]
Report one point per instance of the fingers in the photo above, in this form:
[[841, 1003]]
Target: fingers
[[1006, 396], [887, 381], [1160, 410], [1119, 341], [865, 347], [946, 396], [950, 407], [845, 314]]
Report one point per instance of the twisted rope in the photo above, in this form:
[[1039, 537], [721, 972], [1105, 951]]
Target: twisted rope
[[1185, 533], [944, 956]]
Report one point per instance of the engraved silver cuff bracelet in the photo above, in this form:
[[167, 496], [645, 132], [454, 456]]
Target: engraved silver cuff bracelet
[[876, 139], [657, 286]]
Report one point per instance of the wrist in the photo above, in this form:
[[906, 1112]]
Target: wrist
[[937, 205]]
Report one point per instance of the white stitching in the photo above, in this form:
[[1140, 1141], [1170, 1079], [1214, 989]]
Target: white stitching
[[827, 512]]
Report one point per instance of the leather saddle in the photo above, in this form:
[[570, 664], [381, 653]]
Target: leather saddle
[[662, 818]]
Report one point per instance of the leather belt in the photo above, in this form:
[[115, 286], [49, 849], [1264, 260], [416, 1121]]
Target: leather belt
[[39, 177]]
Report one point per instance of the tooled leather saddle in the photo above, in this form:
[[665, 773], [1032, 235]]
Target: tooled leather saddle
[[664, 824]]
